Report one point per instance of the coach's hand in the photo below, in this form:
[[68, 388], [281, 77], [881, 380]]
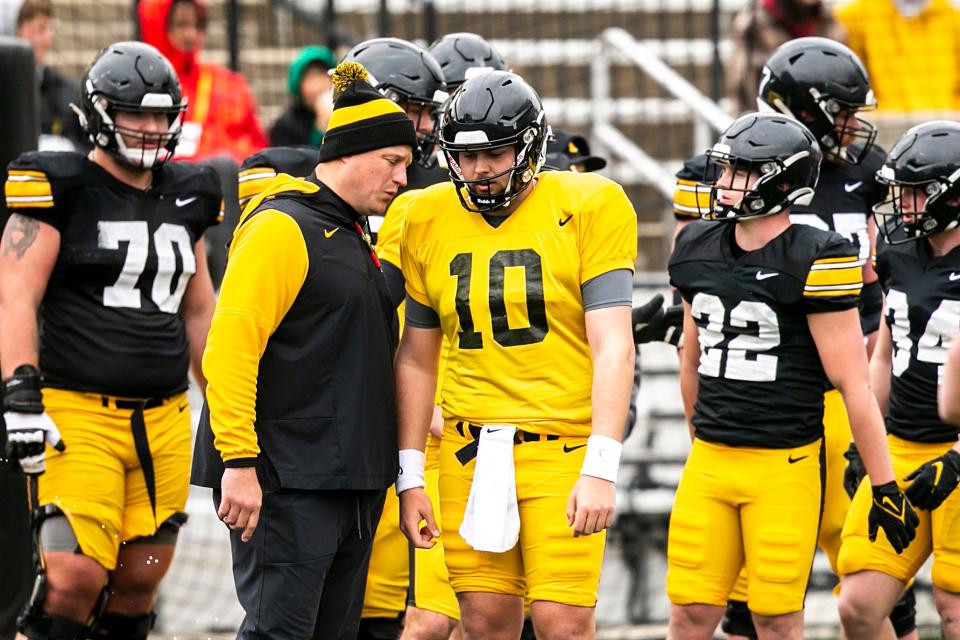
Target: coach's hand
[[934, 481], [415, 508], [591, 505], [892, 511], [240, 500]]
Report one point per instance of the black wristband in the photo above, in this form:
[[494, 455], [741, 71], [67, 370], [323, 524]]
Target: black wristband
[[21, 391], [239, 463]]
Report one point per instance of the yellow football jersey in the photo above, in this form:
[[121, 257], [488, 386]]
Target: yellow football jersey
[[388, 250], [509, 298]]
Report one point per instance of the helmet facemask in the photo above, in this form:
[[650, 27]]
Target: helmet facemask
[[776, 188], [839, 141], [424, 154], [530, 146], [940, 212], [154, 149]]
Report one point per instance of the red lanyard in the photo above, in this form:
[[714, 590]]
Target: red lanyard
[[366, 238]]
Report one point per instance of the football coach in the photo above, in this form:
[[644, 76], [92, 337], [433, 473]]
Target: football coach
[[299, 436]]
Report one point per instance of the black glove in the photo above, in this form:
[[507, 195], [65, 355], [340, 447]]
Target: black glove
[[934, 481], [854, 472], [652, 323], [892, 511]]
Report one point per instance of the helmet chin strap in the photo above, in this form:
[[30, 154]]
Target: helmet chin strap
[[133, 157]]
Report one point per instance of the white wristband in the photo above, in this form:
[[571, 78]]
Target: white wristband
[[602, 459], [411, 470]]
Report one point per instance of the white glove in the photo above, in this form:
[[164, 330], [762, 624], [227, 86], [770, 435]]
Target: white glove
[[27, 435]]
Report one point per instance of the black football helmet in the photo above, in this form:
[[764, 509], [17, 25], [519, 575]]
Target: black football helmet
[[131, 77], [491, 110], [781, 150], [823, 84], [926, 159], [461, 55], [406, 74]]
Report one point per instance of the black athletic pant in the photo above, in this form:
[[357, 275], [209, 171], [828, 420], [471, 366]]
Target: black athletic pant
[[303, 573]]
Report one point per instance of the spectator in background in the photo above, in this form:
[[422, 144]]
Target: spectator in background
[[310, 87], [763, 26], [571, 152], [911, 49], [221, 118], [59, 128]]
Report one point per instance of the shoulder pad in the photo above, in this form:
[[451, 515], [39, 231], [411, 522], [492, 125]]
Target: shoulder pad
[[294, 161], [182, 176], [692, 236], [54, 164]]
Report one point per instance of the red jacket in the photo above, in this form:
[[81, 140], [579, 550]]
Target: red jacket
[[221, 114]]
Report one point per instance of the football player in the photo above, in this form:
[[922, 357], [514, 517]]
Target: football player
[[824, 85], [463, 55], [770, 314], [528, 276], [918, 264], [107, 250], [411, 77]]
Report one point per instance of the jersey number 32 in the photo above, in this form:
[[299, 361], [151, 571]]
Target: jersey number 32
[[732, 340]]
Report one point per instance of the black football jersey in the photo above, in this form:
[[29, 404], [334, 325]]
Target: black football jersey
[[922, 311], [761, 379], [844, 199], [109, 318]]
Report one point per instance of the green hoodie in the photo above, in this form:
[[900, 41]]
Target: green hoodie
[[307, 56]]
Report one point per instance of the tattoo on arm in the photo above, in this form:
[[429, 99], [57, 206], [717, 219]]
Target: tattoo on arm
[[20, 234]]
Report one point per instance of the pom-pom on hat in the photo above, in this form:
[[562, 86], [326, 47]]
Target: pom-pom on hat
[[362, 119]]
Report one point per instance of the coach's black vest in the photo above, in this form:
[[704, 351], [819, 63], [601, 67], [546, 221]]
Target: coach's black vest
[[326, 411]]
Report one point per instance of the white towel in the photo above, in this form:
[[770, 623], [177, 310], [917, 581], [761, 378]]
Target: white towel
[[492, 520]]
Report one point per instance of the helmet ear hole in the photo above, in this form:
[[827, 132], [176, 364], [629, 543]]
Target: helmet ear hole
[[778, 149]]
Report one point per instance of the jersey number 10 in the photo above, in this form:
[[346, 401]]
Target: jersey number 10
[[462, 268], [124, 292]]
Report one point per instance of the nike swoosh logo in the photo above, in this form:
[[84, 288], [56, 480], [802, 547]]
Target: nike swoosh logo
[[182, 408], [330, 233], [852, 187], [566, 220], [954, 276], [792, 460], [888, 505], [763, 276], [182, 202], [567, 448], [494, 430]]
